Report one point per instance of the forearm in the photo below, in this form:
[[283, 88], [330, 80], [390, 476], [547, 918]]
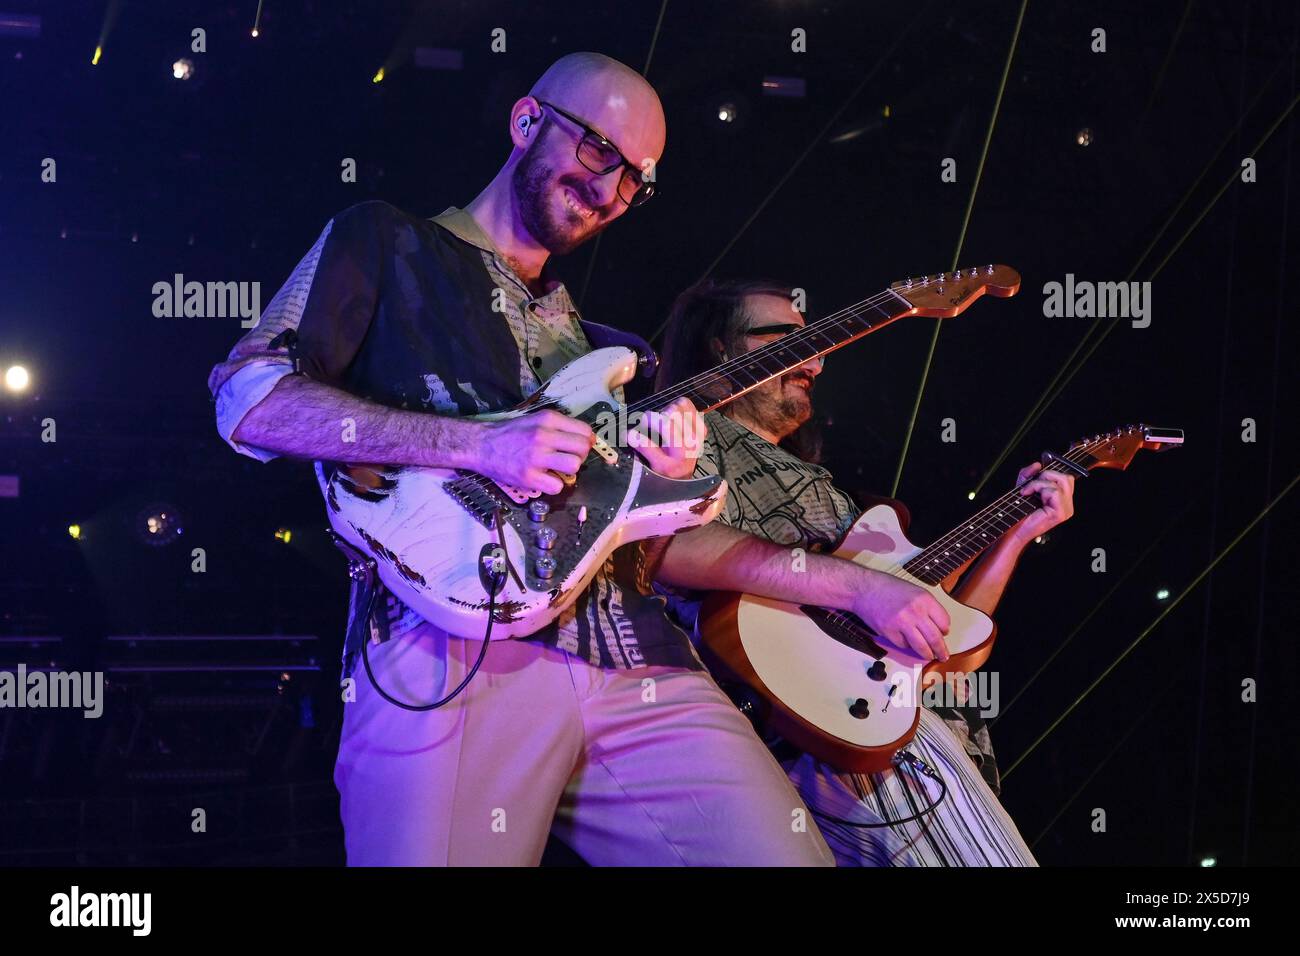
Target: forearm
[[302, 418], [720, 558], [983, 586]]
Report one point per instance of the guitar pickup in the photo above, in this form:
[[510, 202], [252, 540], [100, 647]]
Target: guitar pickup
[[605, 451]]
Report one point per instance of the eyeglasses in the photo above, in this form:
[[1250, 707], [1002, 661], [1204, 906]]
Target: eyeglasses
[[602, 157], [783, 329]]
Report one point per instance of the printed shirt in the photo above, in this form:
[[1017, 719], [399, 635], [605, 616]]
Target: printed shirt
[[777, 496], [425, 315]]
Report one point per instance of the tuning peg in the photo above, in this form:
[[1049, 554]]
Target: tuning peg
[[988, 270]]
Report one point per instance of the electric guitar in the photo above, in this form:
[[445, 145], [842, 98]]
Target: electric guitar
[[821, 679], [452, 544]]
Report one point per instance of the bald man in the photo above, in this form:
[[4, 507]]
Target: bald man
[[390, 333]]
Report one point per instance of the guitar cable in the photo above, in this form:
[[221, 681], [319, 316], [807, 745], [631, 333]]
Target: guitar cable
[[496, 578], [918, 765]]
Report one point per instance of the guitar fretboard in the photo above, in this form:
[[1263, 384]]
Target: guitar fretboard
[[716, 387], [971, 537]]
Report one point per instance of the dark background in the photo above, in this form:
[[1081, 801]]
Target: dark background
[[232, 174]]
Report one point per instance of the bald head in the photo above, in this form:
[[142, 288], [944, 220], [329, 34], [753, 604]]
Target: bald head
[[612, 97]]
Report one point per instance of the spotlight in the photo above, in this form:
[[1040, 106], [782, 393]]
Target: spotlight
[[1209, 861], [1162, 594], [1084, 136], [17, 379], [94, 60], [74, 532], [159, 525], [183, 69], [254, 31], [970, 496], [727, 113], [1042, 539], [378, 77], [283, 535]]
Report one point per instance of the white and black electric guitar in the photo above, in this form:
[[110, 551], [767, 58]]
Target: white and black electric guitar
[[822, 679], [441, 538]]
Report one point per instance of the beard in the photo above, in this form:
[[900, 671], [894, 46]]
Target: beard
[[535, 187], [776, 408]]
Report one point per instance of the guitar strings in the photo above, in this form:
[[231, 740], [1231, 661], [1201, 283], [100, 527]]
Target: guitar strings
[[758, 355], [985, 519], [766, 351], [900, 570]]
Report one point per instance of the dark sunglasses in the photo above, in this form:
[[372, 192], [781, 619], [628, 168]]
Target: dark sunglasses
[[782, 329], [602, 157]]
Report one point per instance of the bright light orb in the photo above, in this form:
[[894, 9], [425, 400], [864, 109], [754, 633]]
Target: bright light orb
[[17, 379]]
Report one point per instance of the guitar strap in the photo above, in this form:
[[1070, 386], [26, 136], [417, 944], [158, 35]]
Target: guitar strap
[[604, 336]]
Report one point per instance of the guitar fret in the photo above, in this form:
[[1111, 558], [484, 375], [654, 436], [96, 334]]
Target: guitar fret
[[945, 556], [709, 390]]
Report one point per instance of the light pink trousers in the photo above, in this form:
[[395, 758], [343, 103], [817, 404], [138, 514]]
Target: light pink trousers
[[649, 767]]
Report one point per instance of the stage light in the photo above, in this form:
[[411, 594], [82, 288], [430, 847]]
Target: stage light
[[970, 496], [254, 31], [727, 113], [1162, 594], [94, 60], [284, 535], [159, 525], [183, 69], [1209, 861], [1041, 539], [17, 379], [1083, 137], [74, 532], [378, 77]]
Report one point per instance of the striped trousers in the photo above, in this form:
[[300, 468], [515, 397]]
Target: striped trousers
[[969, 827]]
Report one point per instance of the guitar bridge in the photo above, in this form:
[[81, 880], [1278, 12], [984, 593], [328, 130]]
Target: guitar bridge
[[477, 495]]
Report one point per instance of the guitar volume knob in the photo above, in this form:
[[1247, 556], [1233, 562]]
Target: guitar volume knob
[[545, 567], [860, 708], [538, 510], [545, 538]]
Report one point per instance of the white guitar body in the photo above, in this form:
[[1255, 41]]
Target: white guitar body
[[434, 532], [852, 704]]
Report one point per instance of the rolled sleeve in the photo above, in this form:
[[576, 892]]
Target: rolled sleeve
[[237, 396], [329, 301]]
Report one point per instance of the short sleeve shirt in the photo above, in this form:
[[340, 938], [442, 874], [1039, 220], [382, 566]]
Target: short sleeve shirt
[[425, 315]]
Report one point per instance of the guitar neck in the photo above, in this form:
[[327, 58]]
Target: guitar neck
[[972, 536], [730, 380], [1114, 449]]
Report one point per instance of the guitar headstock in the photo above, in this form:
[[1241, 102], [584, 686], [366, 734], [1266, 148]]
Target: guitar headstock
[[1116, 449], [948, 294]]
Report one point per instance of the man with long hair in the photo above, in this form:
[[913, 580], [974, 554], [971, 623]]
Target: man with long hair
[[868, 819]]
